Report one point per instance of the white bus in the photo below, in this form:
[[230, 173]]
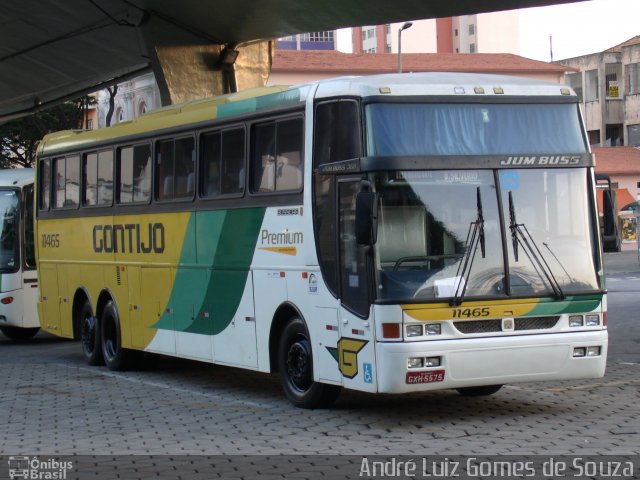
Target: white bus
[[393, 233], [18, 276]]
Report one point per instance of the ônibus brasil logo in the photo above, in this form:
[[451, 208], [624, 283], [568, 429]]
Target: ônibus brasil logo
[[37, 469]]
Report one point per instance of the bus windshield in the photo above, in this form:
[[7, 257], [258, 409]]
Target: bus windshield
[[473, 129], [426, 224], [9, 230]]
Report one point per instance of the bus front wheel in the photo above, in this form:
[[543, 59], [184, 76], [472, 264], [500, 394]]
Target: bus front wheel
[[90, 336], [17, 333], [115, 357], [295, 364]]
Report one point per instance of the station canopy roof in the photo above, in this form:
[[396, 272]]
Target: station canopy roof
[[52, 50]]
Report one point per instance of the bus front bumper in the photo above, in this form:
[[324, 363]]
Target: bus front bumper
[[491, 361]]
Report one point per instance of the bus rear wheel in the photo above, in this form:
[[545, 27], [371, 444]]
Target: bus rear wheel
[[17, 333], [483, 391], [115, 357], [295, 364], [90, 336]]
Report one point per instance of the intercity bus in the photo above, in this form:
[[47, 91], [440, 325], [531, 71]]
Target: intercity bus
[[18, 276], [392, 233]]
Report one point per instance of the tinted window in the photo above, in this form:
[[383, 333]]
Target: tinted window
[[222, 169], [66, 173], [134, 171], [175, 160], [98, 178], [277, 156], [44, 178]]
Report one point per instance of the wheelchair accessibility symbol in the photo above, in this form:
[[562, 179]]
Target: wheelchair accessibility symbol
[[368, 375]]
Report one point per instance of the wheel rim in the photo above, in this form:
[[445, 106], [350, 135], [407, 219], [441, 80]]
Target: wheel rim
[[110, 339], [299, 364], [89, 325]]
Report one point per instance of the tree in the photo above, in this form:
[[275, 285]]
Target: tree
[[113, 91], [20, 137]]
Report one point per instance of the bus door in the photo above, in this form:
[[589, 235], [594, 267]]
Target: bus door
[[30, 274], [356, 351]]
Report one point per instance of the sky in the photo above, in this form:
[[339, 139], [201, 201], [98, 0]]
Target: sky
[[577, 28]]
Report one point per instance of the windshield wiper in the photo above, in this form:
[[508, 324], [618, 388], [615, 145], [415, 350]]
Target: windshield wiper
[[520, 236], [475, 237]]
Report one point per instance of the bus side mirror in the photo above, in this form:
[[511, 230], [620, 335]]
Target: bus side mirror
[[366, 218]]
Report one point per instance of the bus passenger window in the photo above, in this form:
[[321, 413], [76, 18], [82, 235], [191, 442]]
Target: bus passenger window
[[184, 169], [98, 178], [264, 157], [90, 196], [210, 165], [67, 182], [134, 170], [175, 160], [233, 161], [164, 162], [277, 156], [45, 187], [105, 177], [289, 149]]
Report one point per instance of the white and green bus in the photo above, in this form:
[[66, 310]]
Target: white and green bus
[[18, 276], [393, 233]]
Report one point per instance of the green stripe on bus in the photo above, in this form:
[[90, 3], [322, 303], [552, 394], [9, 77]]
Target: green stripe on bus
[[226, 243], [573, 304]]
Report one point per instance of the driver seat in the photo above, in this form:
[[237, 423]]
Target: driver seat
[[401, 233]]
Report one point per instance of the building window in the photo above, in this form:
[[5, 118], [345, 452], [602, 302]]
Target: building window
[[633, 135], [324, 36], [633, 70], [613, 74], [455, 32], [594, 138], [574, 80], [472, 29], [90, 124], [591, 85], [614, 135], [388, 48], [472, 48]]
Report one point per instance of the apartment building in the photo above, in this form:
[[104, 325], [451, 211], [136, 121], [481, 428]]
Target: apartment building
[[496, 32], [608, 84]]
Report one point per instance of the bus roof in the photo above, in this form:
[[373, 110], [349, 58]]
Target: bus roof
[[16, 177], [407, 84], [441, 84]]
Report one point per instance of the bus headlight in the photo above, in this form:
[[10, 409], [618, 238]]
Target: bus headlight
[[432, 329], [576, 321], [415, 362], [414, 330], [592, 320], [593, 351]]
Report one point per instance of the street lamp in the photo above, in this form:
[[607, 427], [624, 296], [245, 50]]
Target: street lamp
[[404, 27]]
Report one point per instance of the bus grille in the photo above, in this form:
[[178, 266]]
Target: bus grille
[[521, 323]]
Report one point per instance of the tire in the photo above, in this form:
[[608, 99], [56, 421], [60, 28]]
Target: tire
[[479, 391], [295, 364], [17, 333], [115, 357], [90, 336]]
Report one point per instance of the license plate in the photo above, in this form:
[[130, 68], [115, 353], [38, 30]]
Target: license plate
[[425, 377]]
